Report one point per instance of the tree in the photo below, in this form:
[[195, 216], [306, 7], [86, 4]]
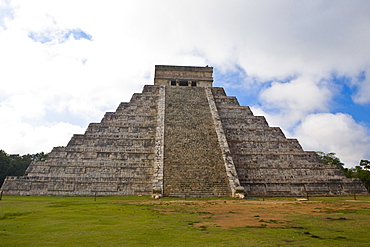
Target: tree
[[16, 165], [331, 159], [4, 165], [365, 164], [362, 171]]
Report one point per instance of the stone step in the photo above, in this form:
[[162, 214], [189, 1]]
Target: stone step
[[193, 164], [120, 147]]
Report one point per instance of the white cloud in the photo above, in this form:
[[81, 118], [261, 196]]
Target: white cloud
[[337, 133], [83, 78], [19, 137], [295, 99]]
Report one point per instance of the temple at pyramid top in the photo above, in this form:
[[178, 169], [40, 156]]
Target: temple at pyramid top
[[183, 76]]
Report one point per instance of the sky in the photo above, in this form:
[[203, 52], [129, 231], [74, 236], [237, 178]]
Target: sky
[[304, 65]]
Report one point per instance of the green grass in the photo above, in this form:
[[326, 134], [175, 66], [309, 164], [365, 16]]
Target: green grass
[[137, 221]]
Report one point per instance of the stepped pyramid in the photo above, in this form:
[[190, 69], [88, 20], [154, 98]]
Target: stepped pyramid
[[181, 137]]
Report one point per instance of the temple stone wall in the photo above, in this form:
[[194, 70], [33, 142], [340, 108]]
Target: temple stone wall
[[113, 157], [164, 74], [269, 164]]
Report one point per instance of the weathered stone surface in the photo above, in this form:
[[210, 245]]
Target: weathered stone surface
[[113, 157], [183, 75], [181, 137], [157, 187], [269, 164], [193, 163]]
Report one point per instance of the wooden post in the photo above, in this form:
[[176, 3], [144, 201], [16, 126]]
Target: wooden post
[[1, 194], [305, 190], [95, 197], [354, 195]]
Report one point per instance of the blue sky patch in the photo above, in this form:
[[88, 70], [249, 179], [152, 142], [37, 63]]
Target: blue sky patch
[[343, 101], [58, 36], [233, 81], [77, 34], [39, 37]]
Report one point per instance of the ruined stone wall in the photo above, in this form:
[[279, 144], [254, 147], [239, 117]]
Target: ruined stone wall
[[193, 163], [268, 163], [113, 157]]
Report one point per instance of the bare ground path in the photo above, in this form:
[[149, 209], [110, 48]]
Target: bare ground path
[[255, 213]]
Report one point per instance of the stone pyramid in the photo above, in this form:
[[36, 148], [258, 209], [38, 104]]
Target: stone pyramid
[[181, 137]]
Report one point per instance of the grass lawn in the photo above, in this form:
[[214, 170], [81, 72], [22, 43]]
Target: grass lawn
[[141, 221]]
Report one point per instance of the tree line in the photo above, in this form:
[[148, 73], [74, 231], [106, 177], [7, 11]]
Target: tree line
[[361, 171], [15, 164]]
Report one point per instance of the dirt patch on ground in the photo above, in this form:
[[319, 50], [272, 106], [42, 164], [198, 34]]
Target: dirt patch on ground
[[244, 213]]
